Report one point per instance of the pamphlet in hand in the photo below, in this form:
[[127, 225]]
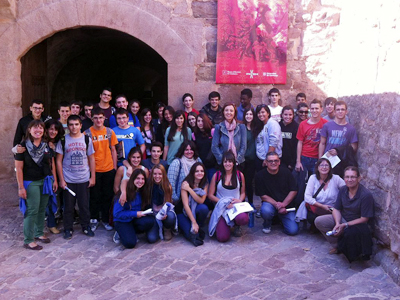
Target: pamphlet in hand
[[164, 210], [333, 159], [147, 211], [239, 208]]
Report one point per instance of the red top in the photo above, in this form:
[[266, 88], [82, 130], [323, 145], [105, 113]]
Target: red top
[[310, 135]]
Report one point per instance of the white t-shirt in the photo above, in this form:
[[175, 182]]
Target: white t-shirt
[[276, 112]]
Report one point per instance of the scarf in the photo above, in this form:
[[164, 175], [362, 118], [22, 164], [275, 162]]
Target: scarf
[[231, 130], [187, 164], [37, 153]]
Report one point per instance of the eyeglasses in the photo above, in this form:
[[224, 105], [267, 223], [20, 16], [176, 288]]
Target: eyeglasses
[[275, 161], [324, 166], [261, 106], [303, 112], [37, 108], [350, 177]]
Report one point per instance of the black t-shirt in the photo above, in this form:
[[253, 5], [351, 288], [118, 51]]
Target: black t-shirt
[[31, 171], [204, 147], [289, 147], [362, 205], [275, 186]]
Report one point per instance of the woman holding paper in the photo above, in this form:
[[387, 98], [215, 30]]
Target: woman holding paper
[[131, 216], [194, 214], [226, 189], [160, 192], [35, 168]]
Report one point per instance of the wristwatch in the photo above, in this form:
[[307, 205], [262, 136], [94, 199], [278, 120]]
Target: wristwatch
[[346, 225]]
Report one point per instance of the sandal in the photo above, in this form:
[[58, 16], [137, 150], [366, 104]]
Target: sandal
[[333, 251], [45, 240], [37, 247]]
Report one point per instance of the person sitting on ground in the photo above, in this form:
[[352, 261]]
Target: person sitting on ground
[[277, 188], [194, 213], [321, 193], [129, 216], [353, 209], [226, 189], [160, 192]]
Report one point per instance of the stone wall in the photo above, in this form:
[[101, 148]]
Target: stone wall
[[345, 49]]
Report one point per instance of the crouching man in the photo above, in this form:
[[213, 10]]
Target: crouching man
[[353, 208]]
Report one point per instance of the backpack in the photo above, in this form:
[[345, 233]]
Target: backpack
[[86, 142], [109, 134]]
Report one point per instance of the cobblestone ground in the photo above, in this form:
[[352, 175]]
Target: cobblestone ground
[[254, 266]]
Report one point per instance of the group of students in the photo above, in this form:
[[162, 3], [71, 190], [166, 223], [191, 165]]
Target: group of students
[[117, 163]]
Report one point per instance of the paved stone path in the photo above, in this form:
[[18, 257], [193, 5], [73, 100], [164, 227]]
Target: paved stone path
[[254, 266]]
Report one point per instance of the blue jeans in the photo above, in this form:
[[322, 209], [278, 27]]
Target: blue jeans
[[127, 230], [302, 177], [268, 211], [170, 221], [185, 224]]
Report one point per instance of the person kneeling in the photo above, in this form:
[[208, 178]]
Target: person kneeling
[[129, 217], [353, 208], [226, 189], [277, 188]]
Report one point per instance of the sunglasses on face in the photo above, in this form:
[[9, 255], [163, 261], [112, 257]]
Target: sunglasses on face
[[303, 112]]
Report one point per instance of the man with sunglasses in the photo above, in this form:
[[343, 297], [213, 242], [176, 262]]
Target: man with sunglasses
[[277, 188]]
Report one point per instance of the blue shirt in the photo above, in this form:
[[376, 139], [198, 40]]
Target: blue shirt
[[132, 122], [129, 211], [131, 137]]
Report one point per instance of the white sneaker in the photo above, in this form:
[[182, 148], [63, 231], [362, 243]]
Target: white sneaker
[[94, 224], [116, 238], [258, 214], [266, 230], [107, 226]]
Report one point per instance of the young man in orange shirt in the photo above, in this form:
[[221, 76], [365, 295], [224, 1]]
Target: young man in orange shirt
[[104, 141]]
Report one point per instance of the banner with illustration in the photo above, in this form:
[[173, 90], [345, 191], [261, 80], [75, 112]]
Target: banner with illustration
[[252, 41]]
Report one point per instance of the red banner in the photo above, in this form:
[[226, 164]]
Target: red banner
[[252, 41]]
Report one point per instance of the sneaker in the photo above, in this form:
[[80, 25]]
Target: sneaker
[[116, 238], [67, 234], [237, 231], [107, 226], [88, 231], [266, 230], [258, 214], [94, 224], [167, 234]]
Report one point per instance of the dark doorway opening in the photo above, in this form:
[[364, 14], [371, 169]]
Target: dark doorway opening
[[77, 63]]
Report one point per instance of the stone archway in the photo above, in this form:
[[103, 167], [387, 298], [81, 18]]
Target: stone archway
[[34, 26]]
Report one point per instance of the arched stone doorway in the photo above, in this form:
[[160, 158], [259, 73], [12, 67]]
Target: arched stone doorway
[[77, 63], [175, 42]]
